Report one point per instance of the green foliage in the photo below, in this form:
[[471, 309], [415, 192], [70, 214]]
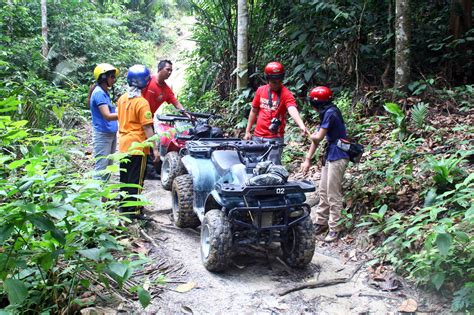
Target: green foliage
[[418, 114], [398, 117], [464, 298], [53, 89], [54, 225], [446, 170], [432, 244], [419, 87]]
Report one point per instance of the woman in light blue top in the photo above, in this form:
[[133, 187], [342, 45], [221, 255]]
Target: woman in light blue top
[[104, 117]]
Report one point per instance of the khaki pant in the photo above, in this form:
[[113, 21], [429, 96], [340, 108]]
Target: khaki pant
[[330, 194]]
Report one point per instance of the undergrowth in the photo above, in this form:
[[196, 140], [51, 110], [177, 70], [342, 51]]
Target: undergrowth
[[59, 228]]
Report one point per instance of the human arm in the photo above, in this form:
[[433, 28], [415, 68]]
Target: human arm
[[148, 129], [293, 111], [106, 114], [316, 138], [252, 117]]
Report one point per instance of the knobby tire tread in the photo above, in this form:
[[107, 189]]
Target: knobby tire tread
[[176, 168], [220, 240], [184, 216]]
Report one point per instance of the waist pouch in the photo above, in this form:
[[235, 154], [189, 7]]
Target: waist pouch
[[353, 149]]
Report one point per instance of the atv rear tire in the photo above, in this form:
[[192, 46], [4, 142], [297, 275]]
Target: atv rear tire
[[182, 202], [298, 248], [216, 241], [171, 168]]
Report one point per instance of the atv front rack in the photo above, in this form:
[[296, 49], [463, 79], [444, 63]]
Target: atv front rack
[[248, 191]]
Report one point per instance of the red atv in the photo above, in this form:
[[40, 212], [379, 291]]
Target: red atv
[[174, 131]]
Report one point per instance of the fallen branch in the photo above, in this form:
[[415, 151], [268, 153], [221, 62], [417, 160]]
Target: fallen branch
[[326, 283], [362, 294], [148, 238]]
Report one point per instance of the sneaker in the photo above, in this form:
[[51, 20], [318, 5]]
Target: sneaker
[[319, 229], [332, 236]]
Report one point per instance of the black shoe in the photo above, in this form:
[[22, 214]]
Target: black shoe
[[319, 229], [153, 176]]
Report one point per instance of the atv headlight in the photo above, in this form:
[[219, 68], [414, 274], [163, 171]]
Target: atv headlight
[[296, 213]]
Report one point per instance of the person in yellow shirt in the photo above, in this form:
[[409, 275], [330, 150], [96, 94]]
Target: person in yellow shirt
[[135, 125]]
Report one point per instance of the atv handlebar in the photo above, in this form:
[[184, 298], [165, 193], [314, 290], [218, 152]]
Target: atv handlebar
[[169, 118], [202, 115]]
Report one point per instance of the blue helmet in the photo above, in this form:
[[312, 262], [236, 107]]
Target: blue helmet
[[138, 75]]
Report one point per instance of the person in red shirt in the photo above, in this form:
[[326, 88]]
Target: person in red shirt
[[157, 91], [269, 107]]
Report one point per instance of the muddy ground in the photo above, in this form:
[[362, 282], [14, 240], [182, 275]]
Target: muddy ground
[[255, 281]]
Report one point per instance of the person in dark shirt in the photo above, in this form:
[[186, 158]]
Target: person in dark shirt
[[334, 164]]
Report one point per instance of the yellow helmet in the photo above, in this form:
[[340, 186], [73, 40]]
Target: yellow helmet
[[102, 68]]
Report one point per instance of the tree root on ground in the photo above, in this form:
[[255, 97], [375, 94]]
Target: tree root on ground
[[326, 283]]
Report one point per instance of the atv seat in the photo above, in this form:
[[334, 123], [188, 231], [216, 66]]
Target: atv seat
[[224, 160]]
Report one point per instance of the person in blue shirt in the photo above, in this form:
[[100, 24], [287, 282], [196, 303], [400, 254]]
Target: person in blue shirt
[[335, 162], [104, 117]]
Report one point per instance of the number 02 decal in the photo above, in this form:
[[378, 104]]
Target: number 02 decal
[[280, 191]]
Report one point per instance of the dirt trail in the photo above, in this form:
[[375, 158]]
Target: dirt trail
[[254, 281]]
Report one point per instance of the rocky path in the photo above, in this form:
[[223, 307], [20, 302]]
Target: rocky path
[[256, 280]]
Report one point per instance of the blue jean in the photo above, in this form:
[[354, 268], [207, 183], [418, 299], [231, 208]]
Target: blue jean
[[105, 143]]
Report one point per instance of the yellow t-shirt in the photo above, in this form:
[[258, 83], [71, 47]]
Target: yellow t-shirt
[[133, 114]]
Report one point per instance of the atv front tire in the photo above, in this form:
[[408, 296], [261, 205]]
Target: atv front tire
[[171, 168], [216, 241], [298, 248], [182, 202]]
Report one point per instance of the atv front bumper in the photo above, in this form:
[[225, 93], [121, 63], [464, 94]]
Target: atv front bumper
[[264, 213]]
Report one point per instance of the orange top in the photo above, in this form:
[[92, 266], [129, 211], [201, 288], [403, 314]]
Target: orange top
[[133, 114]]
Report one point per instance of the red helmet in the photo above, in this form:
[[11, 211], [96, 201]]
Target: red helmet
[[274, 70], [321, 94]]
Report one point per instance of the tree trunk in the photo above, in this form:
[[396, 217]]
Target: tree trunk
[[388, 66], [242, 44], [44, 28], [460, 20], [402, 43]]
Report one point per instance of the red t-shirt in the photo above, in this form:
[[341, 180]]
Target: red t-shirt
[[280, 104], [157, 94]]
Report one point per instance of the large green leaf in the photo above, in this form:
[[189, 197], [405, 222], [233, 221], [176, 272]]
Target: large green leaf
[[144, 297], [5, 231], [119, 269], [59, 236], [438, 280], [91, 253], [16, 291], [444, 241], [41, 222], [17, 163]]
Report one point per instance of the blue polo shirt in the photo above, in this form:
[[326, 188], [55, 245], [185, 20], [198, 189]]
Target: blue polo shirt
[[99, 98], [336, 130]]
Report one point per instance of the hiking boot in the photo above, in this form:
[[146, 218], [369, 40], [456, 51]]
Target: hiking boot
[[319, 229], [331, 237]]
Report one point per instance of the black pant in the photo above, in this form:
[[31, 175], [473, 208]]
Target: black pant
[[133, 173]]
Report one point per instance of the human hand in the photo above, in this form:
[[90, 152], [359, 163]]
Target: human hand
[[192, 118], [247, 136], [305, 131], [156, 155], [305, 166]]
